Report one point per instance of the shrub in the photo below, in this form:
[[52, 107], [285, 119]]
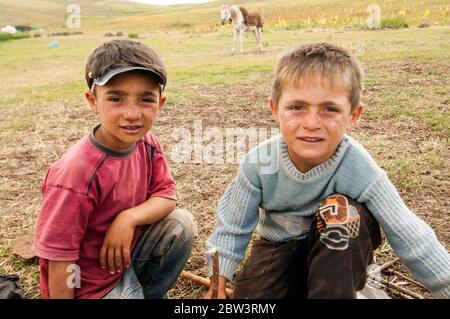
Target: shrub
[[18, 35], [132, 35], [394, 23], [66, 33], [182, 25]]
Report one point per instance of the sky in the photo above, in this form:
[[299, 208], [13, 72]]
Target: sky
[[168, 2]]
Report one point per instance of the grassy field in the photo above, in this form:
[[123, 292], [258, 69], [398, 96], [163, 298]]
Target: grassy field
[[405, 125], [115, 15]]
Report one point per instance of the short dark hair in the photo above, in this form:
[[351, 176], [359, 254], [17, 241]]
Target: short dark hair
[[323, 59], [123, 53]]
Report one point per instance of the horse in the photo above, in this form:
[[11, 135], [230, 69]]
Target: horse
[[244, 21]]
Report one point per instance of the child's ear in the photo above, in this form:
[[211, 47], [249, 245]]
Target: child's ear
[[162, 101], [91, 100], [274, 109], [355, 115]]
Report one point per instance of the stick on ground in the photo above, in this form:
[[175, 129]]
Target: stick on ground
[[394, 272], [201, 281], [399, 288], [384, 266]]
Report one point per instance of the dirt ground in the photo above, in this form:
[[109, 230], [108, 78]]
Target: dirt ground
[[26, 157]]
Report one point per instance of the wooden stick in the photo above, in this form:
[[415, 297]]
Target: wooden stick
[[383, 267], [215, 277], [398, 293], [399, 288], [202, 281], [406, 278]]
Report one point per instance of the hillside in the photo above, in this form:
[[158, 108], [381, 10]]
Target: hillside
[[45, 13], [110, 15]]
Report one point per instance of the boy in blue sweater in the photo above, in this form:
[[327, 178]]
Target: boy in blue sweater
[[318, 201]]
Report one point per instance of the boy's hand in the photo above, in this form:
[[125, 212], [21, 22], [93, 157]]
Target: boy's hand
[[115, 252], [221, 293]]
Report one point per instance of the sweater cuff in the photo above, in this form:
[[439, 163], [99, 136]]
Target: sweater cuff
[[443, 293], [227, 267]]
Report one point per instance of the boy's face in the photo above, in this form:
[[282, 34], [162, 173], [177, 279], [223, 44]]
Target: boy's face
[[127, 105], [313, 117]]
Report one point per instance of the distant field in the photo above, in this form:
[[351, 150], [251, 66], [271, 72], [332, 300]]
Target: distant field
[[405, 125], [115, 15]]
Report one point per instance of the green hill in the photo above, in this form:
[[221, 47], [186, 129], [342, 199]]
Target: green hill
[[53, 12], [111, 15]]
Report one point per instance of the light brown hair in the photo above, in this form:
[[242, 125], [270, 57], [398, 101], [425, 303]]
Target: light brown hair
[[123, 53], [320, 59]]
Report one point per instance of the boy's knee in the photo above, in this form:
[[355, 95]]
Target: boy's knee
[[185, 222], [341, 220], [344, 235]]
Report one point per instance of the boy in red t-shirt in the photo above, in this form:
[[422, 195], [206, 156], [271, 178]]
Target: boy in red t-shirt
[[108, 226]]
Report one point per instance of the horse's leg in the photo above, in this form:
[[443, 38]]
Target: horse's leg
[[260, 38], [233, 51], [241, 33], [256, 34]]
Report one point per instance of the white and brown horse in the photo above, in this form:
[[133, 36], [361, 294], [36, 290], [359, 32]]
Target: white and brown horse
[[244, 21]]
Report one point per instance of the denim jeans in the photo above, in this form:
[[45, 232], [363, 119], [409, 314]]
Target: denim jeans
[[158, 258]]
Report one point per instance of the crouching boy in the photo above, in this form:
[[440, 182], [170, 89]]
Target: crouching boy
[[315, 195], [108, 227]]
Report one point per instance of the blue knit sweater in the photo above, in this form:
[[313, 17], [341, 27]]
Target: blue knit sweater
[[271, 195]]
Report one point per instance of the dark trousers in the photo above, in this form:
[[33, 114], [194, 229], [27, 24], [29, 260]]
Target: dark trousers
[[330, 263]]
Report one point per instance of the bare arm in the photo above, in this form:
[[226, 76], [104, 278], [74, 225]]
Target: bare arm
[[58, 276], [115, 252], [151, 211]]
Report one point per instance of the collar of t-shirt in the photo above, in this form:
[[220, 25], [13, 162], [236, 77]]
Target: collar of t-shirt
[[110, 151]]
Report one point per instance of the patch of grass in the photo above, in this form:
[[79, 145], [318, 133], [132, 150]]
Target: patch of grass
[[180, 94], [282, 25], [433, 153], [394, 23], [441, 90], [46, 93], [181, 25], [28, 271], [213, 74], [19, 124], [417, 169], [17, 36], [403, 172], [66, 33], [411, 102]]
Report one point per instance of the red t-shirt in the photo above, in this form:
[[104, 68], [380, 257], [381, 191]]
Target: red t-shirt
[[83, 192]]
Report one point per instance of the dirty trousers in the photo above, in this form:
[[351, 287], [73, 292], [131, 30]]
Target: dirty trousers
[[158, 258], [330, 263]]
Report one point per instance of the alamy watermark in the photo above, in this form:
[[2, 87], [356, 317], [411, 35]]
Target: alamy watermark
[[374, 20], [214, 145], [74, 19], [74, 279]]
